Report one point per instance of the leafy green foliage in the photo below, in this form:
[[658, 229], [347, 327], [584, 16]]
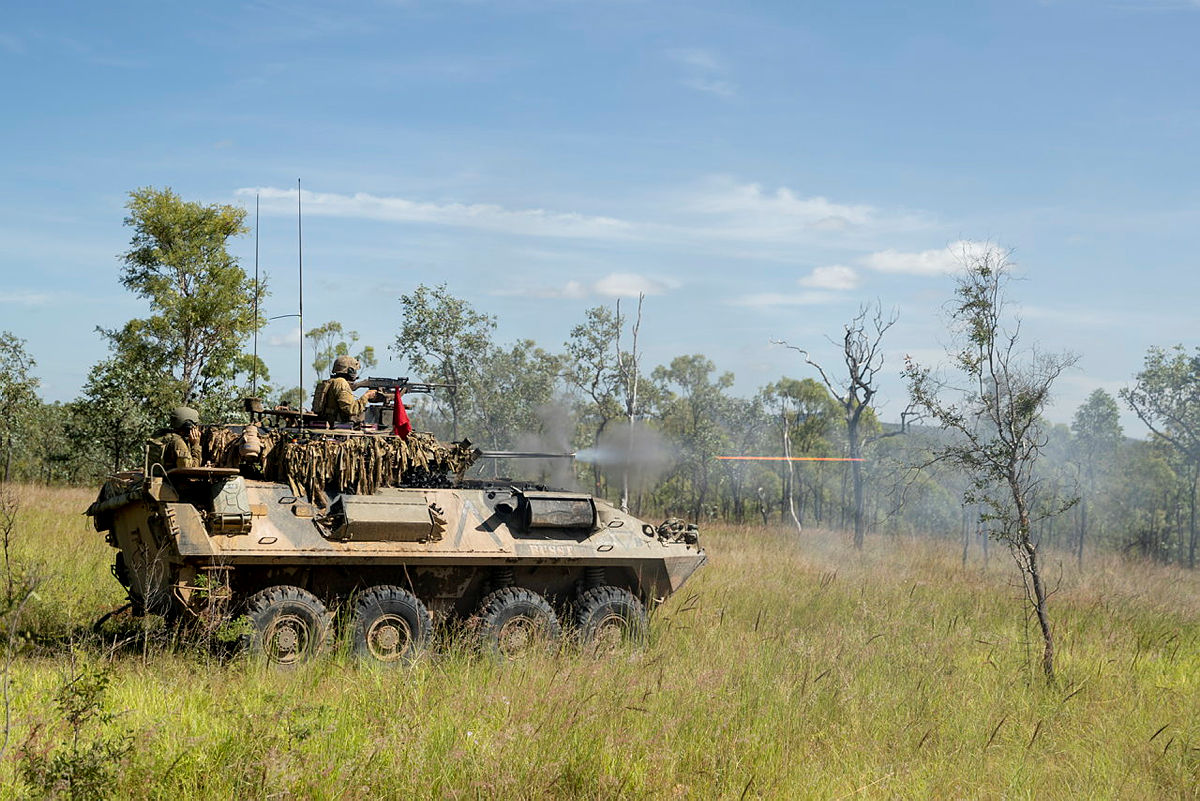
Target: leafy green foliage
[[1166, 397], [1097, 428], [694, 413], [202, 301], [445, 340], [1096, 436], [330, 340], [996, 419], [77, 757], [590, 371], [997, 416], [803, 416], [18, 397], [122, 403], [509, 391]]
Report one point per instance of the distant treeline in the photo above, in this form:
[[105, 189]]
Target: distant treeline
[[1135, 495], [648, 436]]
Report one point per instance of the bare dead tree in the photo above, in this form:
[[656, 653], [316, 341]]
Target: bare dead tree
[[787, 455], [994, 409], [627, 366], [861, 354]]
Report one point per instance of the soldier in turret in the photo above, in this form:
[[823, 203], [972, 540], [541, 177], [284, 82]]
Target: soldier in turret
[[333, 398], [180, 445]]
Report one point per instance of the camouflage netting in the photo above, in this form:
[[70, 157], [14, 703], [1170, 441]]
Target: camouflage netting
[[675, 530], [314, 463]]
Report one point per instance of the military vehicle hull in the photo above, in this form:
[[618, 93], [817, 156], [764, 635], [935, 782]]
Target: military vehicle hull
[[514, 562]]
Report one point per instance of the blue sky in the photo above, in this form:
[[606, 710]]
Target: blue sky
[[758, 169]]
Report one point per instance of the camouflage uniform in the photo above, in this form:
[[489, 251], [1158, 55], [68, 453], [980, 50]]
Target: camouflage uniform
[[177, 453], [173, 450], [337, 402], [340, 404]]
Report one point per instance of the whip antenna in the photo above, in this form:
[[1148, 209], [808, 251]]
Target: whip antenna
[[300, 255], [254, 364]]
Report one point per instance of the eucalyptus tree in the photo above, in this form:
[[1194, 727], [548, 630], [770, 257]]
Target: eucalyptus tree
[[330, 340], [862, 357], [1141, 493], [202, 302], [445, 340], [803, 413], [993, 408], [632, 389], [692, 409], [123, 401], [591, 369], [1166, 397], [18, 395], [1096, 435], [749, 430], [514, 386]]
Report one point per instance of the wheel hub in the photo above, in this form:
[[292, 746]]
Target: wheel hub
[[388, 638], [609, 634], [287, 640], [517, 636]]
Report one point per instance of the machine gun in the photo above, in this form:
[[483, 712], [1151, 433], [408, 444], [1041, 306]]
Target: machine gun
[[391, 413], [390, 385]]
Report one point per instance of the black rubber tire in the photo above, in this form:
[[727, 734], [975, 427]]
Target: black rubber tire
[[391, 625], [120, 571], [291, 625], [609, 618], [514, 621]]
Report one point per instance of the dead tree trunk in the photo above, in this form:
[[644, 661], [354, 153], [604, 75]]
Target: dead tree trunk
[[863, 359], [628, 367]]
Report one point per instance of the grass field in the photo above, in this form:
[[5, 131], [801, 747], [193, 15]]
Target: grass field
[[789, 667]]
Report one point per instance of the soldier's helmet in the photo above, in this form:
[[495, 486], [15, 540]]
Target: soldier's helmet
[[182, 415], [347, 366]]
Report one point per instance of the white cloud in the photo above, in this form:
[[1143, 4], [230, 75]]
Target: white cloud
[[573, 290], [613, 285], [289, 339], [703, 71], [26, 297], [755, 218], [765, 300], [835, 277], [484, 216], [939, 261], [625, 285], [749, 211], [712, 87], [695, 58]]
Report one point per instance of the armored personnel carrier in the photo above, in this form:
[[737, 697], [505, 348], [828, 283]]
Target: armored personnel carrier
[[287, 523]]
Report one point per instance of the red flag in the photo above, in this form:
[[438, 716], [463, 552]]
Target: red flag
[[401, 427]]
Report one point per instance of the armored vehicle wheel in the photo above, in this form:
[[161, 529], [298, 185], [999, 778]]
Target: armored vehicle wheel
[[120, 571], [291, 625], [610, 618], [390, 624], [514, 621]]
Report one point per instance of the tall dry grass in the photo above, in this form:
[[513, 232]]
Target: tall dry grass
[[790, 667]]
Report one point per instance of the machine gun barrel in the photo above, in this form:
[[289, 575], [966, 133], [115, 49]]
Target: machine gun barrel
[[403, 384], [525, 455]]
